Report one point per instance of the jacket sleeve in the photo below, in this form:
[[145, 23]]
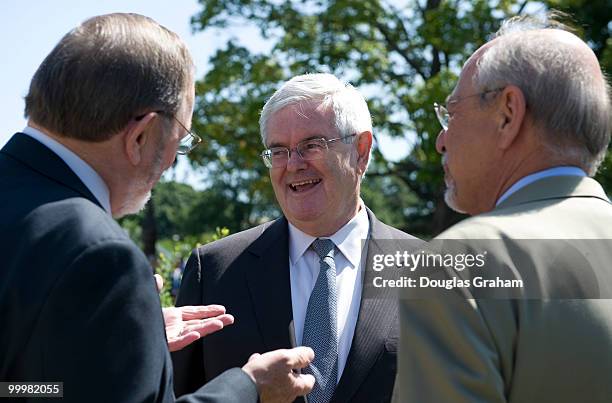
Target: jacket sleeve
[[232, 386], [447, 353], [105, 336]]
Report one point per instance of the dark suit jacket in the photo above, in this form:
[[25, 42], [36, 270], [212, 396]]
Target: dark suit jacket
[[248, 273], [78, 303]]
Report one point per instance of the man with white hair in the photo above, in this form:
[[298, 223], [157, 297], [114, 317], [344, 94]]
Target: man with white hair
[[527, 124], [304, 273]]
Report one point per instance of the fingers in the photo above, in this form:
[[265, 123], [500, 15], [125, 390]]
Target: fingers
[[303, 383], [226, 318], [201, 311], [159, 281], [254, 356], [299, 357], [203, 328]]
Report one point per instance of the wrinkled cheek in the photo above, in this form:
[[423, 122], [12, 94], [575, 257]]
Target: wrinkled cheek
[[279, 193]]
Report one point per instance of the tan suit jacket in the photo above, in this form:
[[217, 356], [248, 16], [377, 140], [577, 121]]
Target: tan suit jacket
[[550, 342]]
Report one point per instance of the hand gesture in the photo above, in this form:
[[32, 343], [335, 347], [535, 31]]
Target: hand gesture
[[277, 376]]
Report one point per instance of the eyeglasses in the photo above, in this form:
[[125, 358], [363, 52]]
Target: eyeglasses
[[308, 150], [188, 142], [442, 110]]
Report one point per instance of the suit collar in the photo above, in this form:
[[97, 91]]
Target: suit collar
[[78, 165], [41, 159], [348, 239], [555, 187]]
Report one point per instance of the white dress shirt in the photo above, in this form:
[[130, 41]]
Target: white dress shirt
[[526, 180], [83, 170], [304, 269]]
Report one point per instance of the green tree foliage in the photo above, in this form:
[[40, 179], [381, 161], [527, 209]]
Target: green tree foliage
[[403, 55], [183, 212], [174, 254]]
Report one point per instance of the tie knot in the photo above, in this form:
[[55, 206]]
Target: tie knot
[[323, 248]]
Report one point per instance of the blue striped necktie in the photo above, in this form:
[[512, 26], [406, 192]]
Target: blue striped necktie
[[320, 332]]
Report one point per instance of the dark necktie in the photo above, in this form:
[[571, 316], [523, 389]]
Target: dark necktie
[[320, 331]]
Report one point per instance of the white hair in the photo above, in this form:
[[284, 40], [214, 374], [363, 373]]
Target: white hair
[[351, 112]]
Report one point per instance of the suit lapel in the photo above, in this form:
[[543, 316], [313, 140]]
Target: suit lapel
[[377, 314], [268, 282], [39, 158]]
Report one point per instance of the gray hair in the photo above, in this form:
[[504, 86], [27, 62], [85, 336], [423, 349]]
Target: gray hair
[[561, 95], [107, 71], [351, 112]]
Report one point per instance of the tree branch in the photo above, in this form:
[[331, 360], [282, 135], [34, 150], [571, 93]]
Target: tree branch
[[522, 7], [402, 52]]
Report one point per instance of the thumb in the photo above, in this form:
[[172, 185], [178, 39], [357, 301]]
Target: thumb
[[159, 281], [300, 357]]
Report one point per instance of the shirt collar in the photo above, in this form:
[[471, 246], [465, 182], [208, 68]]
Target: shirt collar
[[83, 170], [347, 239], [526, 180]]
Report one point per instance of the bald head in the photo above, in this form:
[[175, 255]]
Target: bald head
[[567, 96]]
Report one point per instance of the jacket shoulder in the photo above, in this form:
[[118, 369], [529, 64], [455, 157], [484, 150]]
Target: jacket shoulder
[[380, 230], [235, 242]]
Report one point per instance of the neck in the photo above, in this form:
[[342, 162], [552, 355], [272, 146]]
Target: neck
[[104, 157], [535, 161], [326, 227]]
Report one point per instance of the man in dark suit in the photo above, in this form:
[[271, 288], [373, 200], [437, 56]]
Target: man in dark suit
[[77, 298], [527, 124], [274, 278]]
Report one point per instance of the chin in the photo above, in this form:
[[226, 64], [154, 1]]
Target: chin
[[302, 217], [309, 218], [133, 205], [450, 198]]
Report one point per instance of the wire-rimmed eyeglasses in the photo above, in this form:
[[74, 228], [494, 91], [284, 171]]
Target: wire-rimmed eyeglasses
[[442, 110], [188, 142], [309, 150]]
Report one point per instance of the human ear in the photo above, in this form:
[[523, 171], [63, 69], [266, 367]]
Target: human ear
[[511, 113], [364, 145], [136, 135]]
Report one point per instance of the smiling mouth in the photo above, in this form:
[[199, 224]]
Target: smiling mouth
[[304, 185]]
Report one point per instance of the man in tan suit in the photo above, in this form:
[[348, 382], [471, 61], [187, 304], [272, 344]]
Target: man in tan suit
[[527, 124]]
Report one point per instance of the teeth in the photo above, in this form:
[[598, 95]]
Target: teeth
[[307, 182], [295, 185]]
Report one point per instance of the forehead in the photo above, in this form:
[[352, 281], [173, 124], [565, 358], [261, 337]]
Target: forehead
[[295, 123], [465, 84]]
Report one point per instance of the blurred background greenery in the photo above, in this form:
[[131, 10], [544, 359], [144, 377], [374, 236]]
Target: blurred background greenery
[[402, 55]]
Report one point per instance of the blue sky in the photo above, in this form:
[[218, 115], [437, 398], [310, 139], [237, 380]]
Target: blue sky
[[30, 29]]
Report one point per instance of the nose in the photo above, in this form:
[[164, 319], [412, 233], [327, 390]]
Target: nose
[[295, 161], [440, 148]]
